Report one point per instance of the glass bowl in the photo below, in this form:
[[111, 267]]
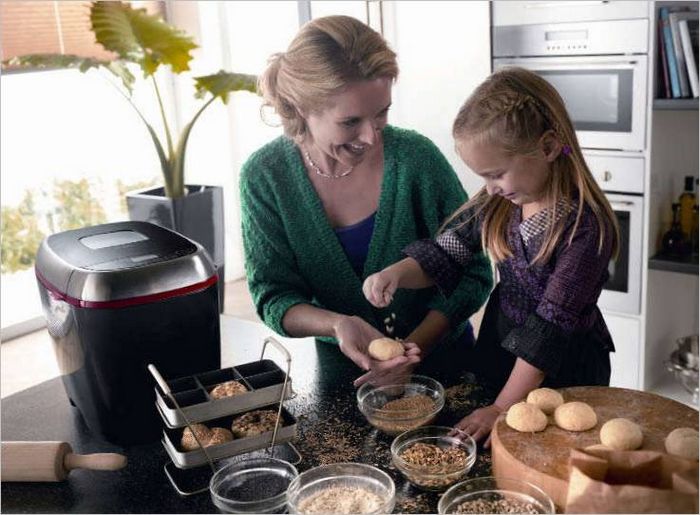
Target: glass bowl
[[253, 485], [342, 488], [414, 403], [433, 475], [495, 495]]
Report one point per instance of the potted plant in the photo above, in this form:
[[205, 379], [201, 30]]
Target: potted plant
[[140, 39]]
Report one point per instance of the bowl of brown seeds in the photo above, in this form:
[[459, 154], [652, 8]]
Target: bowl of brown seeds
[[433, 457], [399, 407], [495, 495]]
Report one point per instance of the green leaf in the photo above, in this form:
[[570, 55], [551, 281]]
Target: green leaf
[[140, 37], [222, 83], [53, 61]]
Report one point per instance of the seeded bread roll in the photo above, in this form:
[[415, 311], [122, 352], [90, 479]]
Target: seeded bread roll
[[188, 442], [227, 389], [219, 435], [253, 423]]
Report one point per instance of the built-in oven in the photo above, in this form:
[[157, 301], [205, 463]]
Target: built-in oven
[[598, 67], [622, 180]]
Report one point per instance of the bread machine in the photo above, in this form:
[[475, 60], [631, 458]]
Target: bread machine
[[119, 296]]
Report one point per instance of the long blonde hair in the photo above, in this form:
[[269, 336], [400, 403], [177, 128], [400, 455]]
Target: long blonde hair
[[325, 56], [511, 110]]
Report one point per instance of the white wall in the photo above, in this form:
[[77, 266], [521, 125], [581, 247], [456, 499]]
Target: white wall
[[444, 52]]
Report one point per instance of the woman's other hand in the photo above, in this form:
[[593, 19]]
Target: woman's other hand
[[480, 422], [353, 335], [392, 371]]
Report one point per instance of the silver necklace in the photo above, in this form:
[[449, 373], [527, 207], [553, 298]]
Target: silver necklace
[[320, 172]]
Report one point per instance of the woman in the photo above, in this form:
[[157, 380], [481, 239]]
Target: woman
[[339, 195]]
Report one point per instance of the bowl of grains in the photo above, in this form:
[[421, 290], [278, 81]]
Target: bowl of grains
[[342, 488], [395, 408], [495, 495], [433, 457], [252, 485]]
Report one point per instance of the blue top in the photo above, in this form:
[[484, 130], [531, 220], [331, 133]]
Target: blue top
[[355, 240]]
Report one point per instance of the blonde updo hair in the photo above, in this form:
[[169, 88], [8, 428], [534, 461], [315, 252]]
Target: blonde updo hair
[[325, 56]]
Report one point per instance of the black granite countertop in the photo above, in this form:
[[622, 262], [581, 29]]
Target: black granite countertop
[[330, 429]]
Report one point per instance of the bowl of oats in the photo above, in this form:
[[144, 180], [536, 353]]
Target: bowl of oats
[[342, 488], [433, 457], [495, 495], [399, 407]]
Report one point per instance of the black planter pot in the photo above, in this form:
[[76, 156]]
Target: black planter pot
[[199, 215]]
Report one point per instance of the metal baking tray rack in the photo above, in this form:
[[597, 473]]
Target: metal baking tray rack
[[263, 379], [188, 459]]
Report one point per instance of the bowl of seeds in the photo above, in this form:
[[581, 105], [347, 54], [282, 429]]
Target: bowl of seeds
[[342, 488], [433, 457], [401, 406], [495, 495]]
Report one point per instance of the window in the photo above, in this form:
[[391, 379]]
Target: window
[[71, 148]]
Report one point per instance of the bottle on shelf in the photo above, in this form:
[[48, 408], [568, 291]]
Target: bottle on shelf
[[674, 241], [687, 201], [694, 232]]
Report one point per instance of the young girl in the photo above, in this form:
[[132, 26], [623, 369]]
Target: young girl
[[550, 231]]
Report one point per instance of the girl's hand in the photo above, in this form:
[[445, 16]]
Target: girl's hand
[[393, 371], [353, 335], [379, 288], [479, 423]]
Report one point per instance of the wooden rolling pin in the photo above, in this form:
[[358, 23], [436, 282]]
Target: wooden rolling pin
[[50, 461]]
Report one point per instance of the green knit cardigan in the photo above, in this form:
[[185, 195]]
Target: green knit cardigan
[[293, 256]]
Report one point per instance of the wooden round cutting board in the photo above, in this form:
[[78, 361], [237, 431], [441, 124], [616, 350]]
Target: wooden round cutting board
[[542, 458]]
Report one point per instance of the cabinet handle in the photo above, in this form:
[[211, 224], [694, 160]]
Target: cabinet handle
[[547, 5], [607, 176]]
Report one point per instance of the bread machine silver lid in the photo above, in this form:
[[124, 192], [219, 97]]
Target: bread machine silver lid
[[119, 261]]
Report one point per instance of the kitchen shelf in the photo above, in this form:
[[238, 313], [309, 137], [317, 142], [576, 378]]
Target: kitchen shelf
[[688, 265], [676, 104]]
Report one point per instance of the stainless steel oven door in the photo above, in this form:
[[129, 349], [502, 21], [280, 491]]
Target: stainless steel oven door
[[623, 291], [604, 95]]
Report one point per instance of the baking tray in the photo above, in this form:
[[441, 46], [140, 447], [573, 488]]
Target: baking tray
[[263, 379], [187, 459]]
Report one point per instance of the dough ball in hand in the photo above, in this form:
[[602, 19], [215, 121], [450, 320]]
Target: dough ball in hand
[[219, 435], [189, 443], [384, 349], [621, 434], [546, 399], [683, 441], [575, 416], [526, 418]]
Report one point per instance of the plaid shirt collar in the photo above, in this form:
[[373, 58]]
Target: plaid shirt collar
[[540, 221]]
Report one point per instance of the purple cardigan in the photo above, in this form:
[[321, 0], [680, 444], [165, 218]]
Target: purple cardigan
[[548, 301]]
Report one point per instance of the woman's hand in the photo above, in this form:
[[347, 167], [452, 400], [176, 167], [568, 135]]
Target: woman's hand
[[379, 288], [393, 371], [354, 335], [479, 423]]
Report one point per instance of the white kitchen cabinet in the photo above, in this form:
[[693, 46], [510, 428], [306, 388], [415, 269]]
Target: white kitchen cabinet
[[444, 52], [625, 361]]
